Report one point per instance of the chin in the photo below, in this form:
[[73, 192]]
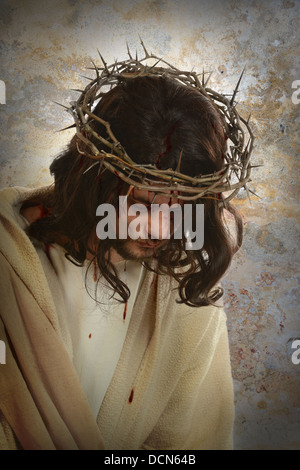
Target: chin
[[134, 251], [138, 253]]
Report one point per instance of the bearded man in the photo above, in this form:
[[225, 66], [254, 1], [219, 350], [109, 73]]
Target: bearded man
[[120, 342]]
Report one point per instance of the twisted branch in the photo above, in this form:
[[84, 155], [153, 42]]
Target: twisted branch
[[237, 158]]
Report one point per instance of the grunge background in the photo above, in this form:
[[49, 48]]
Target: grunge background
[[46, 45]]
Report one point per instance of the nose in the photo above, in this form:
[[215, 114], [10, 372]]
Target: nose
[[158, 225]]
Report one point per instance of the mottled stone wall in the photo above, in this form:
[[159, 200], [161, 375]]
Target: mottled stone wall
[[46, 45]]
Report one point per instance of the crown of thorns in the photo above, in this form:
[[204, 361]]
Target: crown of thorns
[[223, 184]]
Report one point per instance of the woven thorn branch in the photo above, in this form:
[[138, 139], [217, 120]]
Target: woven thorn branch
[[223, 185]]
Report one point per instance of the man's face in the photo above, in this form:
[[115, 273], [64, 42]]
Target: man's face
[[154, 237]]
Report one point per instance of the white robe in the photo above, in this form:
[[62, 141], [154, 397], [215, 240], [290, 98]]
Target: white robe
[[172, 385]]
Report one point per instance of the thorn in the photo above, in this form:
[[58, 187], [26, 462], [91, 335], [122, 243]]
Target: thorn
[[143, 46], [136, 55], [246, 149], [94, 164], [100, 172], [88, 78], [59, 104], [152, 66], [248, 118], [255, 166], [130, 56], [65, 128], [207, 80], [252, 192], [96, 70], [76, 89], [129, 190], [237, 86], [248, 194], [94, 65], [179, 162], [103, 61], [203, 74], [114, 66]]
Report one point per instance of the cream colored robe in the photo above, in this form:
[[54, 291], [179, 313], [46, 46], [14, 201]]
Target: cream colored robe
[[172, 388]]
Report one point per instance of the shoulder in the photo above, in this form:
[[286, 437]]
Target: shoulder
[[190, 326], [13, 195], [11, 198], [168, 296]]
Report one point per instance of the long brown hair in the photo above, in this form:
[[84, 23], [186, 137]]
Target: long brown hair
[[155, 119]]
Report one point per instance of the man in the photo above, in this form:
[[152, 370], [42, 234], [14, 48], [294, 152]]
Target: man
[[118, 341]]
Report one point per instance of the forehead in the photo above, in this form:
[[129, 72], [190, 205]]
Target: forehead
[[147, 196]]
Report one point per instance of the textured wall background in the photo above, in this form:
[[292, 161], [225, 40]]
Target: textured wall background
[[45, 45]]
